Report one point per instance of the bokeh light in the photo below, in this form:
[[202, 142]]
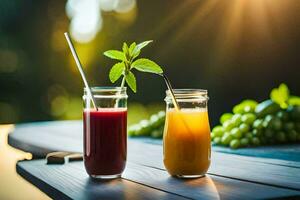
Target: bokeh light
[[86, 19], [207, 44]]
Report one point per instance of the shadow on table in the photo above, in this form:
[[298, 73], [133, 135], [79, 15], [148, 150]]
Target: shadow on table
[[120, 189], [103, 189], [204, 185]]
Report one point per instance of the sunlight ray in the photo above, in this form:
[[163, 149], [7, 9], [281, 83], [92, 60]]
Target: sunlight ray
[[166, 24], [196, 19]]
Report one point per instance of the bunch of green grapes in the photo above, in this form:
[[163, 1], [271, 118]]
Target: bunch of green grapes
[[153, 127], [253, 124]]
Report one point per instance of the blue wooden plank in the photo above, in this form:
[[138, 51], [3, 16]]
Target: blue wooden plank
[[53, 136], [67, 182], [72, 181], [226, 165], [43, 137]]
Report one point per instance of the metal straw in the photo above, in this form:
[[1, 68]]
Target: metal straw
[[79, 66], [168, 83]]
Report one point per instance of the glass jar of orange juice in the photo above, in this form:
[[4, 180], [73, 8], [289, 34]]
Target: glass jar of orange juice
[[186, 140]]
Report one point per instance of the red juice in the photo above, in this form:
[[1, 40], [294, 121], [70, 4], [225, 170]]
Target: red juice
[[105, 141]]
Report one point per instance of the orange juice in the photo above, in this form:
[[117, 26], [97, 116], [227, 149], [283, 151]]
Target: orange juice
[[187, 142]]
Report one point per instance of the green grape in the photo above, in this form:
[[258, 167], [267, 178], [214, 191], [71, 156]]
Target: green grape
[[226, 133], [288, 126], [213, 135], [234, 144], [238, 109], [257, 132], [255, 141], [284, 116], [269, 133], [226, 139], [244, 142], [132, 130], [236, 119], [138, 130], [250, 102], [157, 133], [131, 133], [266, 124], [249, 109], [161, 117], [145, 129], [228, 125], [258, 124], [267, 121], [280, 137], [294, 112], [144, 123], [249, 135], [276, 124], [292, 136], [248, 118], [154, 118], [217, 140], [243, 106], [218, 131], [155, 121], [244, 128], [225, 117], [236, 133], [269, 118], [161, 114]]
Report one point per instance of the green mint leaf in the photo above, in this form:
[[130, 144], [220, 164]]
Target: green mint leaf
[[138, 48], [284, 90], [143, 44], [146, 65], [131, 81], [115, 54], [126, 51], [131, 48], [135, 54], [116, 71], [280, 95], [128, 58], [294, 101], [125, 48]]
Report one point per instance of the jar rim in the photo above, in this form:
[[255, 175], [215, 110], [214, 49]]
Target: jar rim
[[106, 89], [107, 92], [185, 91], [187, 94]]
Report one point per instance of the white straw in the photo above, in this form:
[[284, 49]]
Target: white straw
[[76, 58]]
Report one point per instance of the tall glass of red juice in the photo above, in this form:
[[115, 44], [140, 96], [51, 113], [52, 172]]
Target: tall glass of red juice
[[105, 132]]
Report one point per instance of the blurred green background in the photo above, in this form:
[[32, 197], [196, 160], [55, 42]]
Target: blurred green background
[[236, 49]]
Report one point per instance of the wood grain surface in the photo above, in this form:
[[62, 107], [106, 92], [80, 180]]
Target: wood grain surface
[[226, 165], [70, 181], [140, 182], [229, 177]]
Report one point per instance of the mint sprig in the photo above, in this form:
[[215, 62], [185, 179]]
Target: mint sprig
[[128, 60], [280, 95]]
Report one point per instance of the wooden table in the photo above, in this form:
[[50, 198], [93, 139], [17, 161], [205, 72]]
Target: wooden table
[[229, 177]]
